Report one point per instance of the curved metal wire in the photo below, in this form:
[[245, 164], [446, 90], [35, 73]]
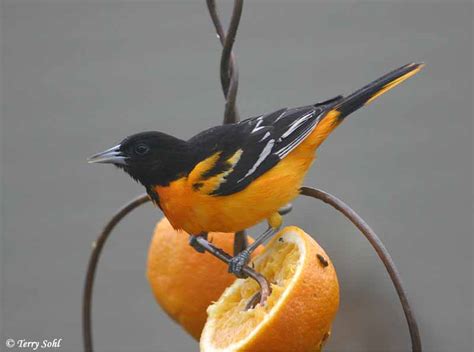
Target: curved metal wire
[[382, 252], [97, 247]]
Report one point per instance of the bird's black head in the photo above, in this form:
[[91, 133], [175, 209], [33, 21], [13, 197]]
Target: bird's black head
[[152, 158]]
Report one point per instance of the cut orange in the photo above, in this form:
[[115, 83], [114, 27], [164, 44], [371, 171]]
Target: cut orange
[[185, 282], [296, 317]]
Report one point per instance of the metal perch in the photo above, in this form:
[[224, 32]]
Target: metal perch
[[382, 252]]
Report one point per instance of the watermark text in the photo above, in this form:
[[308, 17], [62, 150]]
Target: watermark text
[[33, 345]]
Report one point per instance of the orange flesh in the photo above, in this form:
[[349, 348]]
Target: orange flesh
[[233, 322]]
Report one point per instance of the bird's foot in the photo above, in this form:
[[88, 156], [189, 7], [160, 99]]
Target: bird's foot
[[237, 264]]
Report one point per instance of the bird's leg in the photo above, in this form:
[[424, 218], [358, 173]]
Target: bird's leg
[[240, 239], [193, 242], [240, 242], [238, 262]]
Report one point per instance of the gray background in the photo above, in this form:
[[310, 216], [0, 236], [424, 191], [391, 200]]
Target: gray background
[[78, 76]]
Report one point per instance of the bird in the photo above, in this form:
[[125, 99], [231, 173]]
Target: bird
[[231, 177]]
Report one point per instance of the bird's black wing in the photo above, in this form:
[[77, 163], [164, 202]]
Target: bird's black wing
[[250, 148]]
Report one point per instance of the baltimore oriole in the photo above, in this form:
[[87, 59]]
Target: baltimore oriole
[[230, 177]]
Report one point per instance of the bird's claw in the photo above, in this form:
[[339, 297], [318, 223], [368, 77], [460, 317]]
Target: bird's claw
[[237, 264], [285, 209]]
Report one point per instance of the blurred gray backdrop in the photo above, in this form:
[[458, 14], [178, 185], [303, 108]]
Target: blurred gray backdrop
[[80, 75]]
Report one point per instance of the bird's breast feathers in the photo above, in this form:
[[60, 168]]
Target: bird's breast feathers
[[190, 203]]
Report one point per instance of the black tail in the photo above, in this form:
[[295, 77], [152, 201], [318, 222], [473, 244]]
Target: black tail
[[375, 89]]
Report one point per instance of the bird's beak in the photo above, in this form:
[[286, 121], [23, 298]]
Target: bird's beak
[[109, 156]]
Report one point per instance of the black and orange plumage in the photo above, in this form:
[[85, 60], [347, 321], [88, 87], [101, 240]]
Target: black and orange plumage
[[231, 177]]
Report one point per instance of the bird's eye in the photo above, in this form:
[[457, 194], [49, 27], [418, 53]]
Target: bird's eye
[[142, 149]]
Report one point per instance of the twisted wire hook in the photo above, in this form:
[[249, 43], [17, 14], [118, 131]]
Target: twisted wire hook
[[228, 67]]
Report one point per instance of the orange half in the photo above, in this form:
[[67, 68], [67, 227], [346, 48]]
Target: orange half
[[298, 314]]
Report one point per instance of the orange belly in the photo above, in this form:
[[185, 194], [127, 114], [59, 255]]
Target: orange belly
[[197, 212]]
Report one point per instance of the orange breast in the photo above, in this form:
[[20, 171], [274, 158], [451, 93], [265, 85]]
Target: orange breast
[[196, 212]]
